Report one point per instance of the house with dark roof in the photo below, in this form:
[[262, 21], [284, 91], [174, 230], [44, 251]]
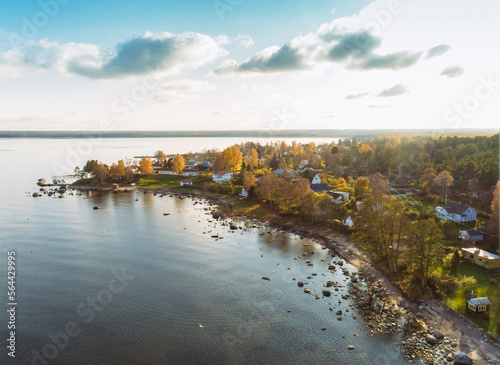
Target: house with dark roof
[[474, 234], [456, 212], [319, 188]]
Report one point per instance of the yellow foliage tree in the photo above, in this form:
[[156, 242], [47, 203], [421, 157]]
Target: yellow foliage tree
[[146, 166], [178, 164]]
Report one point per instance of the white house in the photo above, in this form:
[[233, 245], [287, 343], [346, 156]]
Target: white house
[[186, 173], [456, 212], [221, 176], [244, 193], [347, 220], [186, 182], [474, 234], [339, 197], [316, 179]]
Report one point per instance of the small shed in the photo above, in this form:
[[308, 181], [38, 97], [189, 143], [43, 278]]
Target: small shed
[[186, 182], [478, 305]]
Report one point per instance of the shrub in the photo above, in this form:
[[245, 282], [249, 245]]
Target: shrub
[[467, 281]]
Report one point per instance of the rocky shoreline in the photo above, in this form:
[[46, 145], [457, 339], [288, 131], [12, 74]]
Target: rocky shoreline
[[385, 308]]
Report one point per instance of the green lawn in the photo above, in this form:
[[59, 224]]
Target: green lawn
[[488, 285]]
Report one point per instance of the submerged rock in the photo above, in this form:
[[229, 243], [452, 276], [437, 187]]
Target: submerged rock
[[266, 278]]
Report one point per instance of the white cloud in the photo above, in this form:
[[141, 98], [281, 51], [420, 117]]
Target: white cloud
[[152, 52]]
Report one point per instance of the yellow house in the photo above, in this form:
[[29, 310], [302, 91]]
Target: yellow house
[[482, 258]]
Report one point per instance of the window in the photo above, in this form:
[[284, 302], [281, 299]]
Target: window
[[471, 306], [481, 308]]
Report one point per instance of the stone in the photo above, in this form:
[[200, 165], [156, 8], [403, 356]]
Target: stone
[[350, 347], [431, 339], [300, 284], [339, 312], [307, 290], [266, 278], [462, 359], [438, 334], [327, 293]]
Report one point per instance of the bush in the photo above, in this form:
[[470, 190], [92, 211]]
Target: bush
[[442, 282], [467, 281]]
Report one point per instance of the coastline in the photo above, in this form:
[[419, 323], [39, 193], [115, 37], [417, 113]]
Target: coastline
[[467, 337]]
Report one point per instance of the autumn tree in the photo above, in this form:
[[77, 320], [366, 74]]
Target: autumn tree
[[116, 171], [361, 186], [248, 180], [178, 164], [494, 211], [101, 172], [444, 181], [378, 187], [252, 158], [232, 158], [427, 178], [145, 166], [160, 156]]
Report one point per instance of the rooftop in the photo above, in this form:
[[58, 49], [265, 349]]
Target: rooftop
[[482, 253]]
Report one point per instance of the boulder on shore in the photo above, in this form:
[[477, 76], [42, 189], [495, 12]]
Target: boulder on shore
[[438, 334], [431, 339], [462, 359]]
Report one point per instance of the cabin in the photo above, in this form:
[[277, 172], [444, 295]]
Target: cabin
[[339, 197], [482, 258], [348, 220], [474, 234], [456, 212], [478, 305], [187, 182], [222, 176]]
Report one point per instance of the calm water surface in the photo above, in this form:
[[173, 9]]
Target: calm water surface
[[183, 297]]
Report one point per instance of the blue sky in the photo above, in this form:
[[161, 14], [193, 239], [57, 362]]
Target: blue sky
[[240, 64]]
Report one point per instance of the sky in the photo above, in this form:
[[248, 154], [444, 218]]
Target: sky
[[247, 65]]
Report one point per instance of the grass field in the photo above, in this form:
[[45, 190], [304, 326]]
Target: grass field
[[488, 285]]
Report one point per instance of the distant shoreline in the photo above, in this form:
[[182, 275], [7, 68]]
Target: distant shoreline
[[309, 133]]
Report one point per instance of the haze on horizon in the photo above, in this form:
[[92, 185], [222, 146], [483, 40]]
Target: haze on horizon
[[241, 65]]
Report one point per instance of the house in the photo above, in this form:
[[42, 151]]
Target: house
[[244, 193], [456, 212], [303, 166], [319, 188], [347, 220], [87, 175], [339, 197], [316, 179], [191, 165], [474, 234], [220, 176], [285, 173], [157, 165], [478, 305], [481, 257], [186, 173], [206, 164], [186, 182]]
